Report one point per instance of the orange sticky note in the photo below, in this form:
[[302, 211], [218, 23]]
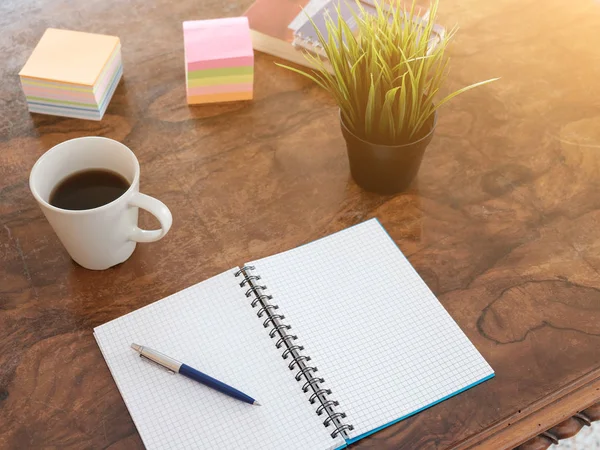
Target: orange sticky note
[[70, 57]]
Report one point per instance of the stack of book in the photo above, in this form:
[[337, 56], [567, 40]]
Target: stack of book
[[306, 36], [72, 74], [219, 60], [282, 27]]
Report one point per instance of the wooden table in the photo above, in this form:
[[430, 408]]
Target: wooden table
[[503, 223]]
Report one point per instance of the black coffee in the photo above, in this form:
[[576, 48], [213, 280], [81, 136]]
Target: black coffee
[[88, 189]]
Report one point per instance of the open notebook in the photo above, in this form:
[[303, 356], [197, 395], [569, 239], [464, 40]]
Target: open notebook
[[381, 348]]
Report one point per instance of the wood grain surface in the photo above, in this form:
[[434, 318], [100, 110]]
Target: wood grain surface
[[502, 222]]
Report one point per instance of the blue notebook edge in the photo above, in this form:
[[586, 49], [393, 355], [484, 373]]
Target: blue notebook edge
[[369, 433]]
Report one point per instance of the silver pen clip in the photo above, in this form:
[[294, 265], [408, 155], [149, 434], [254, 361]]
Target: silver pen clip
[[172, 372]]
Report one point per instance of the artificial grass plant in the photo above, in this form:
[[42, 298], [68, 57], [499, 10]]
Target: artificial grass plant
[[387, 76]]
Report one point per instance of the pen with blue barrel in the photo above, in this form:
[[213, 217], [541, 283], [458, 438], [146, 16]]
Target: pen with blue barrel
[[187, 371]]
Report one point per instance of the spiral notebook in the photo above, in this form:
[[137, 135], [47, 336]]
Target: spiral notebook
[[337, 339]]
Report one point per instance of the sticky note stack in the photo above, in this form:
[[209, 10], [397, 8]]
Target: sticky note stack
[[219, 60], [72, 74]]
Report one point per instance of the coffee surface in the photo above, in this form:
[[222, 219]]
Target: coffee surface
[[88, 189]]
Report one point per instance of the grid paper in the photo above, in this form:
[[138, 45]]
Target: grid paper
[[381, 340], [211, 327]]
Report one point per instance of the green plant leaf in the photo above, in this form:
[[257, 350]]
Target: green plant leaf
[[387, 114], [465, 89], [370, 108], [402, 107], [304, 74]]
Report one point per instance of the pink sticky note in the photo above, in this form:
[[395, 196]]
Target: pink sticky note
[[207, 41]]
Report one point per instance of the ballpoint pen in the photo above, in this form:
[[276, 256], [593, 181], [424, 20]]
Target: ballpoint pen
[[187, 371]]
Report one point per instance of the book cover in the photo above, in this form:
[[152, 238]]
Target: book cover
[[272, 17], [273, 23]]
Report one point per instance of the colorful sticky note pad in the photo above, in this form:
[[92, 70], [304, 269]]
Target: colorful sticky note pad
[[219, 60], [72, 74]]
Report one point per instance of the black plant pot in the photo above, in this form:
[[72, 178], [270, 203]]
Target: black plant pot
[[385, 169]]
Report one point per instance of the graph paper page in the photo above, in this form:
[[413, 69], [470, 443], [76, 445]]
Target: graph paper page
[[211, 327], [378, 336]]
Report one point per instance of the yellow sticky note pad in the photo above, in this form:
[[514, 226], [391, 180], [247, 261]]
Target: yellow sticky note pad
[[70, 57]]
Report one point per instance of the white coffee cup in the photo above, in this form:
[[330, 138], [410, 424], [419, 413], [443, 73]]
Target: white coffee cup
[[101, 237]]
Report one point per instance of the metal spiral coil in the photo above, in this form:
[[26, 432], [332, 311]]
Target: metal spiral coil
[[264, 309], [291, 349], [328, 421], [260, 298], [296, 361], [304, 371], [271, 318], [313, 398], [248, 279], [310, 384], [278, 329], [309, 40], [321, 408], [341, 429], [253, 289], [284, 340], [243, 271]]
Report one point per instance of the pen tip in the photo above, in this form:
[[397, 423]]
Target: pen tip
[[256, 403], [136, 347]]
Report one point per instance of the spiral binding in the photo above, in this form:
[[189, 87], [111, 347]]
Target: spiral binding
[[307, 43], [299, 362]]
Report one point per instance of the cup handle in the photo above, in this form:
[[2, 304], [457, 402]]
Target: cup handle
[[159, 210]]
